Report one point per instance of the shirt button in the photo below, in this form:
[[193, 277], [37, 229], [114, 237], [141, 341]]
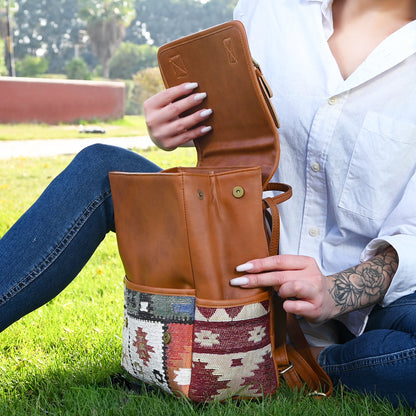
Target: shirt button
[[316, 167], [332, 100], [313, 232]]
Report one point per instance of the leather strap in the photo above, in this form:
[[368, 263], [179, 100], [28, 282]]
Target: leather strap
[[274, 221], [303, 357], [284, 366], [297, 365]]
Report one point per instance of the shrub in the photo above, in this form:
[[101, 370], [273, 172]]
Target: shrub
[[97, 72], [131, 58], [147, 82], [77, 69], [31, 66]]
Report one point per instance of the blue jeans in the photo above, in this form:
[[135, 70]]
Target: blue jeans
[[45, 250], [49, 245], [382, 360]]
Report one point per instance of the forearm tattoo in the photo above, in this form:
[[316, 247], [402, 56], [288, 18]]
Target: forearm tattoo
[[365, 284]]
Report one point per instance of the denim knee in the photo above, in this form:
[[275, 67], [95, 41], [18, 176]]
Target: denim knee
[[101, 159]]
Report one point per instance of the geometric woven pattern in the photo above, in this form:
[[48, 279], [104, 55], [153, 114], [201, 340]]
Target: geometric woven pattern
[[232, 354], [200, 352], [157, 339]]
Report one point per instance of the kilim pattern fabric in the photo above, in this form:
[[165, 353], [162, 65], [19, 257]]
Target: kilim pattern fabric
[[203, 353], [232, 354], [157, 339]]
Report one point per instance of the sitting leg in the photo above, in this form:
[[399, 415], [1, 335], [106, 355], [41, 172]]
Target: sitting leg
[[48, 246], [383, 359]]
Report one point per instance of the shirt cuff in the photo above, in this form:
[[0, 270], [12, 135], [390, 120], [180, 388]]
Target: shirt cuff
[[356, 321], [404, 280]]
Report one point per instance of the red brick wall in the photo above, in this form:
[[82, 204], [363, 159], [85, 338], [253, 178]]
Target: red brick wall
[[55, 101]]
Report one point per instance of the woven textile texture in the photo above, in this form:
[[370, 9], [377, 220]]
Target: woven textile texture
[[232, 354], [202, 353], [157, 339]]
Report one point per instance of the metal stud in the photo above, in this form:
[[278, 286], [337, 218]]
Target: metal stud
[[167, 338], [238, 192]]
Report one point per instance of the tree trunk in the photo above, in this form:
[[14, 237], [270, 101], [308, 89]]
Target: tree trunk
[[105, 36]]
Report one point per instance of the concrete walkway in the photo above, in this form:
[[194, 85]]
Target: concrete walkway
[[39, 148]]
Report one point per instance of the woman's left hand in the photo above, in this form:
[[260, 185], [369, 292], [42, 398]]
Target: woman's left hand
[[297, 279]]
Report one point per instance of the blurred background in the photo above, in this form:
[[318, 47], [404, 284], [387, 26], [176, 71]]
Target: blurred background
[[100, 39]]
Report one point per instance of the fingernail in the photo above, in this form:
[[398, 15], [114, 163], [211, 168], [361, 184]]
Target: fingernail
[[206, 129], [244, 267], [191, 85], [239, 281], [205, 113], [200, 96]]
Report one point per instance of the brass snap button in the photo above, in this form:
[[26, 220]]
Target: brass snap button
[[238, 192], [167, 338], [200, 194]]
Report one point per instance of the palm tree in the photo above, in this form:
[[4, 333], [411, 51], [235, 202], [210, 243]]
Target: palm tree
[[106, 22]]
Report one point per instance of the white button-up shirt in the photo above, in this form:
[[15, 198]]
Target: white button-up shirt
[[348, 147]]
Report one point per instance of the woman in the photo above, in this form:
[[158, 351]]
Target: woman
[[343, 75]]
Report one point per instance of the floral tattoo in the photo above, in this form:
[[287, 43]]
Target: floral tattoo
[[365, 284]]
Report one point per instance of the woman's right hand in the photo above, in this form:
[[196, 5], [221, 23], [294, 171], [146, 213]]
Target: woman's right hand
[[162, 112]]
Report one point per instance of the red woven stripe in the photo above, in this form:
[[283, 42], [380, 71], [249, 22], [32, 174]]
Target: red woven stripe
[[231, 337]]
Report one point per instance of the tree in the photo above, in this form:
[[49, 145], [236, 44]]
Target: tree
[[165, 20], [217, 11], [162, 21], [51, 28], [47, 28], [106, 22]]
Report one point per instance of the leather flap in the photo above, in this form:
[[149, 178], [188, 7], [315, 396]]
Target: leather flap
[[244, 125]]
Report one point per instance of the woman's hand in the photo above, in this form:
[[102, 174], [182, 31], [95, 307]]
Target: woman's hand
[[167, 130], [297, 279], [318, 298]]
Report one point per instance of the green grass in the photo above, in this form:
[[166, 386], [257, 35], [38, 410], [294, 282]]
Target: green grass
[[128, 126], [61, 358]]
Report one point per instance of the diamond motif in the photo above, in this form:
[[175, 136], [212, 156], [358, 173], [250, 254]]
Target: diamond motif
[[142, 346]]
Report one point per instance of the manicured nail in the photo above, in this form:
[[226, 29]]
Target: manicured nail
[[206, 129], [191, 85], [239, 281], [244, 267], [200, 96], [205, 113]]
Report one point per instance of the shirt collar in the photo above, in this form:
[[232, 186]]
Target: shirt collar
[[327, 22], [392, 51]]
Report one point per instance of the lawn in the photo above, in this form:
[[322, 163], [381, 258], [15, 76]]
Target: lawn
[[127, 126], [64, 358]]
